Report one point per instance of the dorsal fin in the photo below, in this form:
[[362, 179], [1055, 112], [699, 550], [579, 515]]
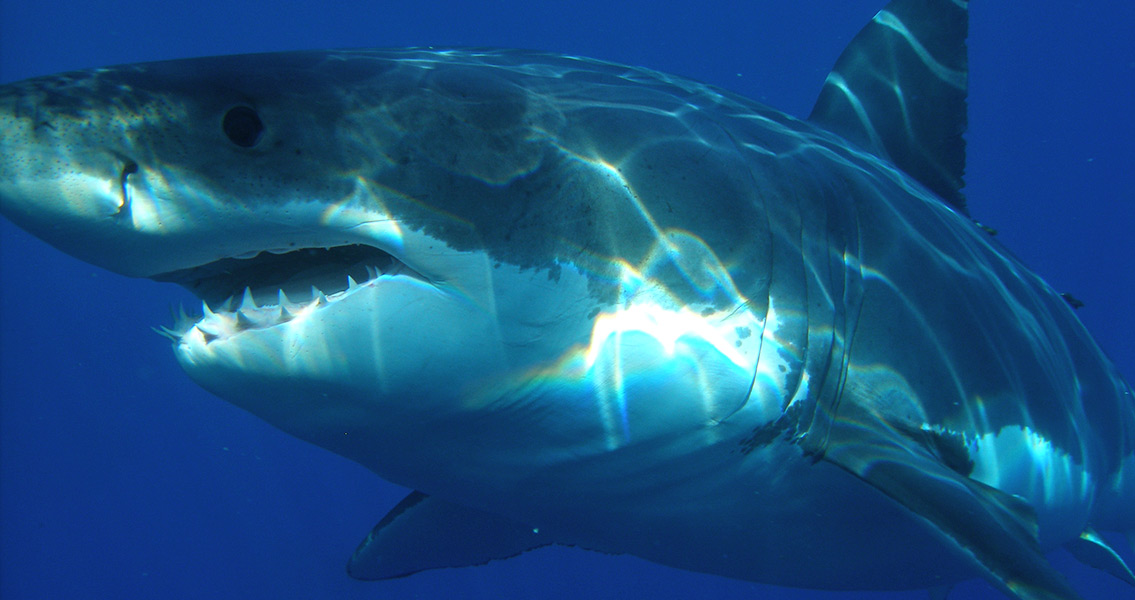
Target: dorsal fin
[[899, 90]]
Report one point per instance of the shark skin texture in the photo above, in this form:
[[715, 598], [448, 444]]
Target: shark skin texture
[[581, 303]]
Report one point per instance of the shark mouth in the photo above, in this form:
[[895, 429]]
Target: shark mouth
[[269, 287]]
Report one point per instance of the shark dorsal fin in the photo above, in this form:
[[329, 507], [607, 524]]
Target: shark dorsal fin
[[899, 90]]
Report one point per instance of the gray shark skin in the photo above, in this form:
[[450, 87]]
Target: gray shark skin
[[573, 302]]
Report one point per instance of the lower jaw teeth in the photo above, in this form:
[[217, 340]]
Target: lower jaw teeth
[[255, 311]]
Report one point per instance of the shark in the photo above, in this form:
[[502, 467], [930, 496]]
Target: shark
[[574, 302]]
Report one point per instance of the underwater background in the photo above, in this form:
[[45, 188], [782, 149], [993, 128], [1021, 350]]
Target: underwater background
[[120, 478]]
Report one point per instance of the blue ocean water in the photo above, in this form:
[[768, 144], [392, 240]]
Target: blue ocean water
[[119, 478]]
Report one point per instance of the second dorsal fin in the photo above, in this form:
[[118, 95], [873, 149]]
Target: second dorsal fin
[[899, 91]]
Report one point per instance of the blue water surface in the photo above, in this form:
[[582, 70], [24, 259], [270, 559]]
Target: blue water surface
[[119, 478]]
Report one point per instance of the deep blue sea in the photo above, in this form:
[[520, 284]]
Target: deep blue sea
[[120, 478]]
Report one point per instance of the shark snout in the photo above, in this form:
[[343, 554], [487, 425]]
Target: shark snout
[[69, 193]]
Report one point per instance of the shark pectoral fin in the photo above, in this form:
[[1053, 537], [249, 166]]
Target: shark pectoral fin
[[1092, 550], [422, 533], [996, 532]]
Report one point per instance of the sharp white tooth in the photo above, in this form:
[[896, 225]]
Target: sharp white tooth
[[182, 320], [351, 282], [227, 305], [247, 301], [243, 322], [166, 333], [318, 296], [208, 335], [372, 272], [285, 316], [206, 311], [282, 299]]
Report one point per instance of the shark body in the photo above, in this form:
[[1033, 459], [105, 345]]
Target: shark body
[[582, 303]]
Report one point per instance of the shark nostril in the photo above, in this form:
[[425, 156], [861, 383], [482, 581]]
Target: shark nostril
[[129, 168]]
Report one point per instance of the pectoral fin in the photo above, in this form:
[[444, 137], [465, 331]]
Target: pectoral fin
[[996, 532], [1094, 551], [422, 533]]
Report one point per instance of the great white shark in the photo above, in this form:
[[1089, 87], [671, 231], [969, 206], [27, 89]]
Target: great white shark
[[582, 303]]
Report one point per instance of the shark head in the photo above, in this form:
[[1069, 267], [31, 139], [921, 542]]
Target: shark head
[[395, 247]]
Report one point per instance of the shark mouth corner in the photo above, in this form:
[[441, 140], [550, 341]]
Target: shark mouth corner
[[266, 288]]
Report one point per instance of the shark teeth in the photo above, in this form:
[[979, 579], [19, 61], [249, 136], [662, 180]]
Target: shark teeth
[[229, 317], [247, 301], [243, 322], [166, 332]]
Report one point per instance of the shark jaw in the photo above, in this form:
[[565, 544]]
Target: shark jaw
[[328, 345], [272, 288]]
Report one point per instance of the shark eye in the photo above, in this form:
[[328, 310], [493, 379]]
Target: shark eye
[[243, 126]]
